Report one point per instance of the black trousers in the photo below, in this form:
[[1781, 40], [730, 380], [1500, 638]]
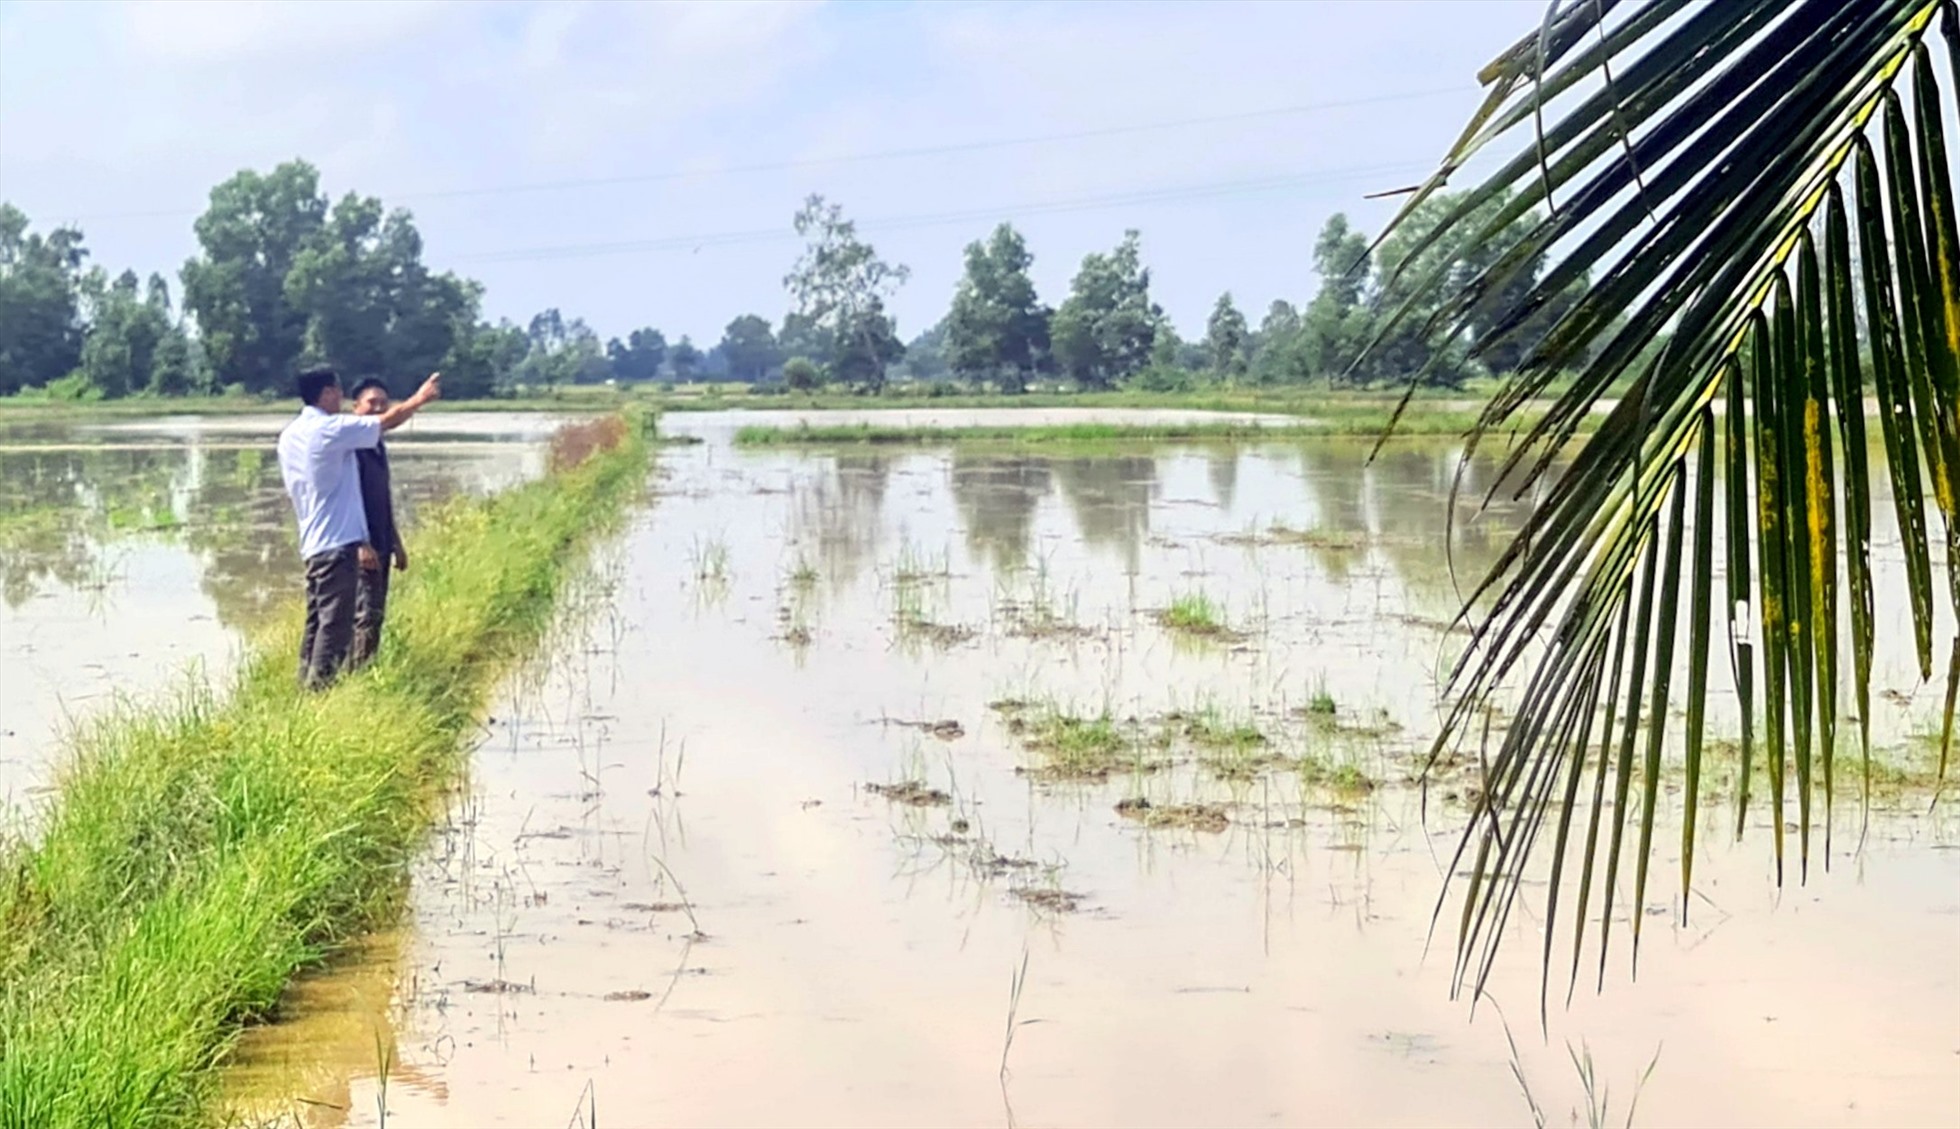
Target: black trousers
[[370, 608], [331, 580]]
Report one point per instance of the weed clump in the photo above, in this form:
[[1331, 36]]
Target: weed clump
[[1210, 818], [1072, 746], [911, 793], [1197, 615]]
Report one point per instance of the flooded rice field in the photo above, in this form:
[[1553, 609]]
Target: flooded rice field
[[984, 786], [132, 549]]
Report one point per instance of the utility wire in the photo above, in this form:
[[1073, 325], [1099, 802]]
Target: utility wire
[[858, 158], [938, 150], [1141, 197]]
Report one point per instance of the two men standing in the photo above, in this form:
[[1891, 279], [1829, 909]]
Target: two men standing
[[319, 459]]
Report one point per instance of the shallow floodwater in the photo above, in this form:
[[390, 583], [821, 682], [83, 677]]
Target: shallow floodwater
[[672, 893], [133, 550]]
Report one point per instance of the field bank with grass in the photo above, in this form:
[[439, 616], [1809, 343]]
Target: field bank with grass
[[201, 850]]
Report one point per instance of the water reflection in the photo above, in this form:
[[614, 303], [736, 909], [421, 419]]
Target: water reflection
[[60, 509], [998, 497], [1222, 468], [1110, 497], [130, 551], [840, 507]]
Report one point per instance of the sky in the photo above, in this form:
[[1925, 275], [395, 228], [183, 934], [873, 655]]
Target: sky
[[638, 164]]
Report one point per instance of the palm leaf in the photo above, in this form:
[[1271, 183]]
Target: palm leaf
[[1756, 198]]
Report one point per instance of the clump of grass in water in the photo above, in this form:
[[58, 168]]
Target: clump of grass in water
[[1072, 746], [1196, 614], [1229, 745], [204, 849], [710, 561], [910, 618]]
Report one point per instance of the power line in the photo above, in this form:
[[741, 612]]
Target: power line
[[939, 150], [1138, 197], [869, 157]]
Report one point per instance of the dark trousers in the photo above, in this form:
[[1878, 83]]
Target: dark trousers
[[331, 579], [370, 608]]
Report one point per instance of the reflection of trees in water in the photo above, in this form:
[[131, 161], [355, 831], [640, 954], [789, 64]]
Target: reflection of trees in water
[[1110, 498], [241, 525], [59, 508], [840, 510], [1222, 467], [1399, 505], [997, 498]]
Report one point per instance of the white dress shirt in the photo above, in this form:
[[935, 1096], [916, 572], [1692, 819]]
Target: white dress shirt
[[316, 458]]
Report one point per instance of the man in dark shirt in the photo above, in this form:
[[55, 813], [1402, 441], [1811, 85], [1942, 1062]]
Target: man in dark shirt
[[384, 550]]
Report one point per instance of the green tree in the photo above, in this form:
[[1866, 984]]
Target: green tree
[[119, 353], [1338, 323], [639, 357], [562, 352], [372, 307], [254, 229], [750, 348], [173, 367], [802, 337], [41, 329], [1725, 219], [1104, 332], [685, 358], [840, 286], [925, 355], [1226, 339], [484, 360], [997, 329], [867, 345], [802, 374]]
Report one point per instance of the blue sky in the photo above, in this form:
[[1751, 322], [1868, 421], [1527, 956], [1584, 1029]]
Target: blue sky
[[120, 117]]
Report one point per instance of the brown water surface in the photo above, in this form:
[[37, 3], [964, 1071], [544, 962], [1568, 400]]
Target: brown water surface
[[133, 550], [671, 894]]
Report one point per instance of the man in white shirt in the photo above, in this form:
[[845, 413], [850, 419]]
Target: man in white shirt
[[317, 461]]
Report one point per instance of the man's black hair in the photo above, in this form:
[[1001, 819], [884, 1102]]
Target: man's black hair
[[367, 383], [314, 381]]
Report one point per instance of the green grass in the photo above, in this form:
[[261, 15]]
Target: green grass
[[1066, 433], [1195, 613], [1230, 744], [203, 849], [1072, 746]]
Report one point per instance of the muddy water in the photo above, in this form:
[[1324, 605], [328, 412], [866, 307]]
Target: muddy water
[[670, 893], [131, 551]]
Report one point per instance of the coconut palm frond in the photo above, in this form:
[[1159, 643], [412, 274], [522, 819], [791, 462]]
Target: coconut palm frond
[[1756, 198]]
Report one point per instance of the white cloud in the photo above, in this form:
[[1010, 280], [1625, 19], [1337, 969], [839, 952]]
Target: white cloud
[[228, 31]]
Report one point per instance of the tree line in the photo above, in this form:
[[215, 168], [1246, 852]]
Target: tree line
[[284, 279]]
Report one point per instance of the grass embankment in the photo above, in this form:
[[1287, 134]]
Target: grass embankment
[[202, 850], [1362, 418], [875, 433]]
